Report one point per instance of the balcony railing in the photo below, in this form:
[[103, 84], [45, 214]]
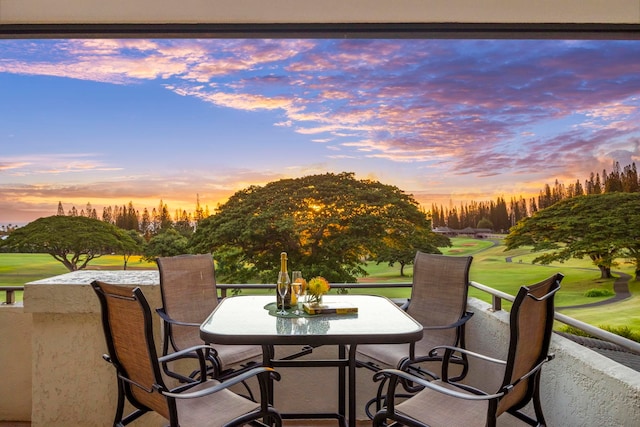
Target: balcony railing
[[496, 305], [9, 292]]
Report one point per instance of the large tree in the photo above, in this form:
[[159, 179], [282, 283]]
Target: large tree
[[72, 240], [328, 224], [136, 249], [168, 242], [600, 226], [406, 236]]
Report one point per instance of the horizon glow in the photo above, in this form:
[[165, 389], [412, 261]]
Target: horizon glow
[[107, 122]]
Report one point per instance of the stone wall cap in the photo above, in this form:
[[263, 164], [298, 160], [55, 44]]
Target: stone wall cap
[[85, 277], [72, 293]]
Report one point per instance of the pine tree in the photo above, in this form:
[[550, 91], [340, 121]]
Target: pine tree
[[630, 182], [145, 223]]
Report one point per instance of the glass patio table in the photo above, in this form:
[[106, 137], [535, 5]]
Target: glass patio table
[[247, 320]]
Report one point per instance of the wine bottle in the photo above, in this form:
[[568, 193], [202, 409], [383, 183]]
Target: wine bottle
[[283, 277]]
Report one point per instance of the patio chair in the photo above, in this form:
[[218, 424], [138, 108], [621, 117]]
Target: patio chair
[[439, 302], [128, 329], [445, 402], [189, 295]]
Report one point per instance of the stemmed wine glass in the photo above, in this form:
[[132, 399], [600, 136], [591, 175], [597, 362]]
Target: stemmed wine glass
[[283, 288], [296, 288]]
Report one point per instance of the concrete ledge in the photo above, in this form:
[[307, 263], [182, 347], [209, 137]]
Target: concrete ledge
[[72, 292]]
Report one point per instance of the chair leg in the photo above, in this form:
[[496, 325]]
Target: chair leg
[[464, 362], [222, 376], [117, 421], [380, 397], [537, 406], [250, 395], [419, 372], [380, 420]]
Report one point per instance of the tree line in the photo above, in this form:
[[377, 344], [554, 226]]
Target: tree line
[[500, 216], [329, 225], [496, 215], [148, 223]]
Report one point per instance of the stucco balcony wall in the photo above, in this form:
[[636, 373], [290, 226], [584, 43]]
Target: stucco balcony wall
[[15, 363], [579, 387], [64, 381]]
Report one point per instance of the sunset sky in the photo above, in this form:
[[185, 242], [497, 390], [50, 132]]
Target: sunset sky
[[113, 121]]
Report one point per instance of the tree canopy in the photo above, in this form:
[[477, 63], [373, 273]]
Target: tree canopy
[[328, 224], [167, 243], [72, 240], [600, 226]]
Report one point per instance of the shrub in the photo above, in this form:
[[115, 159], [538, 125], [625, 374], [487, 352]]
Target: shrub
[[593, 293], [623, 331], [575, 331]]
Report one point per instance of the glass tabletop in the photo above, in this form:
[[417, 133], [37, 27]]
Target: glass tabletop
[[244, 320]]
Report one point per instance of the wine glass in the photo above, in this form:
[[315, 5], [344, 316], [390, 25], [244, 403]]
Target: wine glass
[[296, 288], [283, 288], [296, 277]]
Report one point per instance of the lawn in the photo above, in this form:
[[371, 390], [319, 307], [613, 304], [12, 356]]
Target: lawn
[[507, 271], [491, 266], [18, 269]]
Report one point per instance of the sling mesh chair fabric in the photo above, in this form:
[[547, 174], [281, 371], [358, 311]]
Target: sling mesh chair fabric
[[445, 402], [439, 302], [128, 329], [189, 295]]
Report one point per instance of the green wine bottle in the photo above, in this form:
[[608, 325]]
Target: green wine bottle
[[283, 278]]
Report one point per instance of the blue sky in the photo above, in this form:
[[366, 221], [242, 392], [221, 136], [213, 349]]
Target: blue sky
[[113, 121]]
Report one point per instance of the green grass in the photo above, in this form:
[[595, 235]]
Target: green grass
[[18, 269], [620, 314], [490, 267]]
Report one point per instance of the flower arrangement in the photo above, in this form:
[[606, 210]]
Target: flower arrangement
[[316, 288]]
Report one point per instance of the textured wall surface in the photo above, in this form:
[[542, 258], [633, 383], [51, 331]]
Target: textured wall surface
[[72, 384], [15, 363], [313, 11]]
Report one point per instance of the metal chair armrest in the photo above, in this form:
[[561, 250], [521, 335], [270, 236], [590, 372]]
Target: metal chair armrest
[[168, 319], [178, 354], [226, 384], [428, 384], [467, 315], [533, 371], [452, 349]]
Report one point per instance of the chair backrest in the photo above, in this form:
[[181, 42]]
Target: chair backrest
[[127, 323], [439, 292], [531, 324], [189, 294]]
